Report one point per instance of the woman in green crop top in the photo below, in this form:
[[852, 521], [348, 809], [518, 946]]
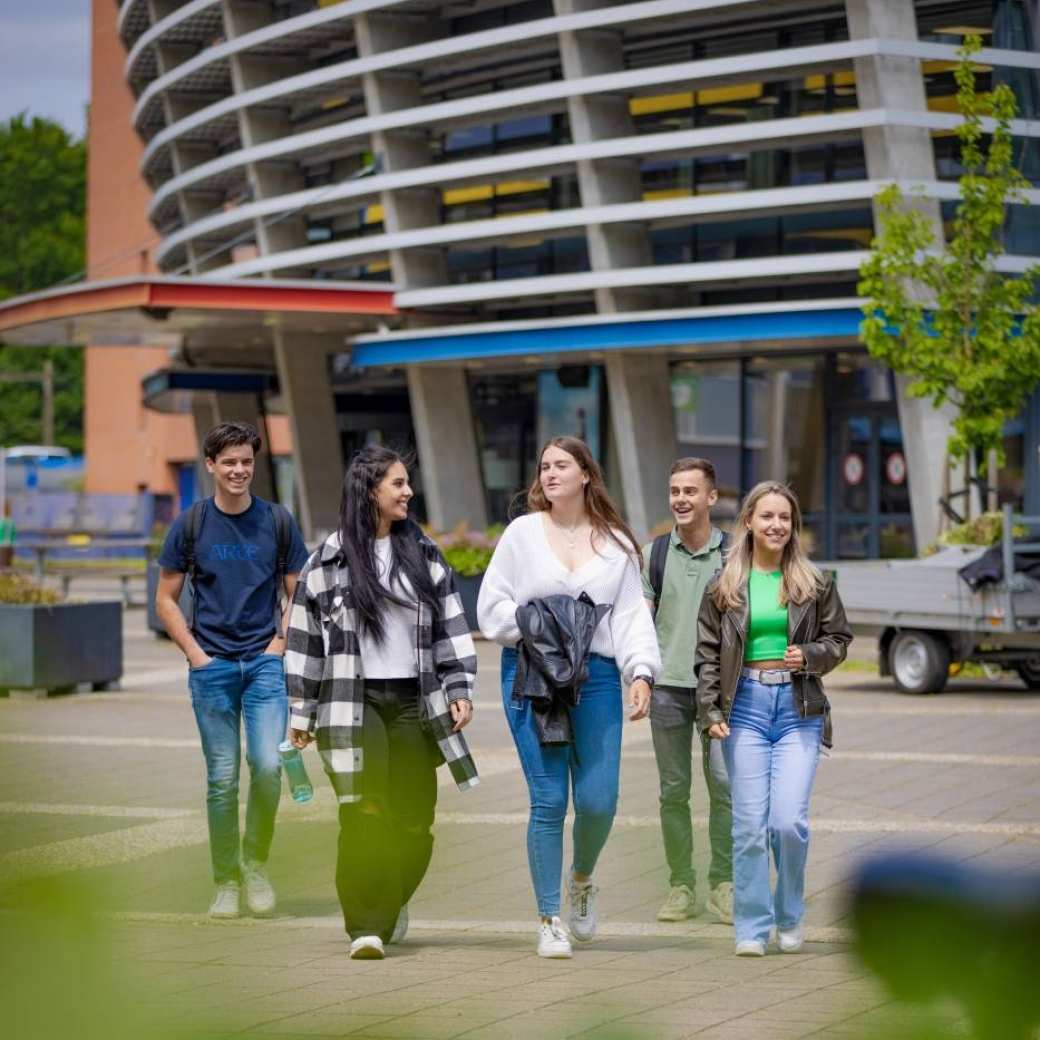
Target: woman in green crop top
[[761, 696]]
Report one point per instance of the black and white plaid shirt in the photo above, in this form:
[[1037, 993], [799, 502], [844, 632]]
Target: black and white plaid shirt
[[324, 673]]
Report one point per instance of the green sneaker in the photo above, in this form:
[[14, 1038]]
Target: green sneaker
[[678, 906]]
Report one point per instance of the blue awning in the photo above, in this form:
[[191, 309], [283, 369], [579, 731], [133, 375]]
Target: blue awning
[[459, 345]]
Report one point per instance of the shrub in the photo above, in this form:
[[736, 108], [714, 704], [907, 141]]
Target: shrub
[[21, 591], [467, 552], [983, 530]]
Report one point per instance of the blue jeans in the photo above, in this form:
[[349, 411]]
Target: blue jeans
[[222, 693], [592, 764], [771, 755]]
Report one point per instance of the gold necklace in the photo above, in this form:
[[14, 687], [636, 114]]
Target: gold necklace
[[570, 534]]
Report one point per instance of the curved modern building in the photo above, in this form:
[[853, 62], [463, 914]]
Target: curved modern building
[[641, 222]]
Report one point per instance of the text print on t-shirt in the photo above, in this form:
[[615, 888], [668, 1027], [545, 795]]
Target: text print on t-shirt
[[243, 551]]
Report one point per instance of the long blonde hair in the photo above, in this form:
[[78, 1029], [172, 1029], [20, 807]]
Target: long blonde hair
[[801, 580]]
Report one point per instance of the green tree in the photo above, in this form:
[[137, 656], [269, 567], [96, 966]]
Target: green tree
[[42, 228], [944, 316]]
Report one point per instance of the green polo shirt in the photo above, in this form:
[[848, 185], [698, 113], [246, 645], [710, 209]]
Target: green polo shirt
[[686, 576]]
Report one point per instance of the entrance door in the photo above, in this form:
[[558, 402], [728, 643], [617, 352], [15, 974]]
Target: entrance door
[[869, 514]]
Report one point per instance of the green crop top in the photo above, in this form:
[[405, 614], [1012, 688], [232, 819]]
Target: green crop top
[[767, 624]]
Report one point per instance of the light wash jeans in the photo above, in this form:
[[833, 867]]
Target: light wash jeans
[[771, 756], [593, 763], [222, 693]]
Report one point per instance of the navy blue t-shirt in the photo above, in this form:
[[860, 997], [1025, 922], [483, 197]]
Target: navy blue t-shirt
[[235, 559]]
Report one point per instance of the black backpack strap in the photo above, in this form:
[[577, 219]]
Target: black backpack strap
[[192, 529], [658, 559], [283, 541]]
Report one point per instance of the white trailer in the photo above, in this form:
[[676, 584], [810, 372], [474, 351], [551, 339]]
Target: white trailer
[[926, 617]]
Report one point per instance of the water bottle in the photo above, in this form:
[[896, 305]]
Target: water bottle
[[295, 772]]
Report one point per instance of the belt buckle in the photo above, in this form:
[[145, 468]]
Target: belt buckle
[[772, 677]]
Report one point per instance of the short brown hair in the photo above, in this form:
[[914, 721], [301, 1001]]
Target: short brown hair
[[230, 435], [692, 462]]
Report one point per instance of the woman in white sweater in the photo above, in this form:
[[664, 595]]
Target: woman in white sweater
[[572, 540]]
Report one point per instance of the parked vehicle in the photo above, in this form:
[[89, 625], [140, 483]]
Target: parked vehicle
[[926, 617]]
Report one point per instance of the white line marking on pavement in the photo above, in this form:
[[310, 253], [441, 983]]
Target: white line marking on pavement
[[117, 811], [934, 709], [605, 929], [102, 850], [930, 757], [134, 680], [74, 740], [822, 825]]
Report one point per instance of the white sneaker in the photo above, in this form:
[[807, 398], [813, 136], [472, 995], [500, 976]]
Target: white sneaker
[[582, 919], [259, 893], [790, 940], [367, 948], [552, 940], [226, 901], [678, 906], [720, 902], [751, 948], [401, 927]]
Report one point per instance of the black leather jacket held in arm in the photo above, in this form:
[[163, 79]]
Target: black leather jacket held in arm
[[553, 654], [818, 627]]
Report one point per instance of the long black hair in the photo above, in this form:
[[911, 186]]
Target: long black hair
[[358, 525]]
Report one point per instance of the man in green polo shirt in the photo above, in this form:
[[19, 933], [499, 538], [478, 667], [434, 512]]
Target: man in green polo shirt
[[676, 570]]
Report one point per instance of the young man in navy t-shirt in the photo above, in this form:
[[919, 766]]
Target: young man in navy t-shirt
[[234, 644]]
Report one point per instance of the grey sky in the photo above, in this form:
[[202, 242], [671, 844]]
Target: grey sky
[[45, 60]]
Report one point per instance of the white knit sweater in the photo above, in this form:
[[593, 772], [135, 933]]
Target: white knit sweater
[[524, 567]]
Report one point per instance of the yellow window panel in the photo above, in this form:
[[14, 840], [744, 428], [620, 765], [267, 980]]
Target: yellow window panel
[[666, 193], [520, 187], [645, 106], [520, 213], [844, 78], [374, 213], [333, 102], [329, 3], [861, 236], [459, 196], [377, 265], [934, 67], [723, 95], [965, 30]]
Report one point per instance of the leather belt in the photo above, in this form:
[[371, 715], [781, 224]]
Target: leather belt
[[768, 677]]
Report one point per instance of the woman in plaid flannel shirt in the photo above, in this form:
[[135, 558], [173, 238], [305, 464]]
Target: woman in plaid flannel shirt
[[380, 668]]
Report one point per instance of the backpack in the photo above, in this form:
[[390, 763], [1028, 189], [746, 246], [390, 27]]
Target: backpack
[[659, 556], [283, 538]]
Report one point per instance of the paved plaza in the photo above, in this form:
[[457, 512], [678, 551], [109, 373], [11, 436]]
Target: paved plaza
[[101, 803]]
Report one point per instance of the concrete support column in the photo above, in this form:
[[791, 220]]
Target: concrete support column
[[452, 481], [266, 180], [303, 374], [209, 408], [904, 152], [644, 434], [391, 91], [605, 182]]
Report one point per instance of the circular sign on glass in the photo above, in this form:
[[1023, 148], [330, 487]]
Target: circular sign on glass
[[853, 469], [895, 468]]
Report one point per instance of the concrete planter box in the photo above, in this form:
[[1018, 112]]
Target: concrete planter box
[[44, 649], [469, 590], [152, 583]]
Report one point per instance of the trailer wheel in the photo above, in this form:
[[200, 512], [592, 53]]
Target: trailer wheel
[[919, 661], [1029, 672]]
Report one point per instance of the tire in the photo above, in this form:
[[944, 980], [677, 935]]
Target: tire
[[1029, 672], [919, 662]]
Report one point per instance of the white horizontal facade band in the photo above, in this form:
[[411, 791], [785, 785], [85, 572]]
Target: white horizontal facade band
[[758, 203], [792, 132], [276, 31], [773, 268], [422, 53], [692, 74], [160, 28], [126, 10], [794, 61], [541, 160]]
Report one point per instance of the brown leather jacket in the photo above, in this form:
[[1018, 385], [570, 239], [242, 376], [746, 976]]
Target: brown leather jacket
[[817, 626]]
